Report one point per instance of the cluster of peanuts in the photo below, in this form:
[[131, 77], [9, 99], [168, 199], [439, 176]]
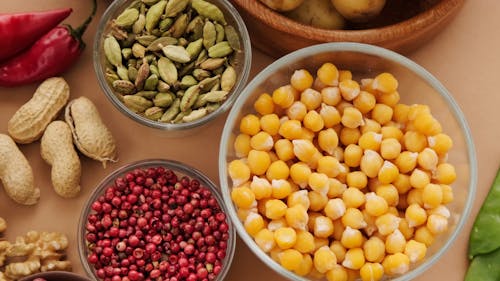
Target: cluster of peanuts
[[336, 178], [31, 253]]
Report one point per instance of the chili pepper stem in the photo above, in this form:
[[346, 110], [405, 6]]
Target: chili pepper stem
[[77, 33]]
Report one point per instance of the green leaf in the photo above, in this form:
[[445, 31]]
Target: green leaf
[[484, 267], [485, 234]]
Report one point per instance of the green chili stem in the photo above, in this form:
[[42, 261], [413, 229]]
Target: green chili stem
[[78, 32]]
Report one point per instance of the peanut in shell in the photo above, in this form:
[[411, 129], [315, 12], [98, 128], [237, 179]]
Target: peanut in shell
[[56, 148], [90, 134], [31, 119], [16, 173]]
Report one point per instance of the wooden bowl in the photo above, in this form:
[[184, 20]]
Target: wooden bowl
[[276, 35]]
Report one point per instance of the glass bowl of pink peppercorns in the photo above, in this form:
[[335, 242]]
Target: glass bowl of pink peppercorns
[[156, 219]]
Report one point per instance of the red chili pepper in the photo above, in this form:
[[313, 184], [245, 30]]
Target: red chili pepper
[[19, 31], [52, 54]]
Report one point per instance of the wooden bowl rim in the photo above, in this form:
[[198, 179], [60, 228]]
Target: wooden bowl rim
[[373, 35]]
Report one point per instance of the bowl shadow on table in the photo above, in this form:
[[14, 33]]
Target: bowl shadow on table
[[277, 35]]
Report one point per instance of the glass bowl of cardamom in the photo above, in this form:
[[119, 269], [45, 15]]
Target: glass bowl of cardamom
[[172, 65]]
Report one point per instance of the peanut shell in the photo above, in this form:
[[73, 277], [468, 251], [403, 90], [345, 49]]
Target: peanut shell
[[57, 150], [16, 173], [90, 134], [29, 121]]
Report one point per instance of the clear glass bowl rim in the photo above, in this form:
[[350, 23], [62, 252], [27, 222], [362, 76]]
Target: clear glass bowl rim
[[238, 88], [364, 49], [174, 165]]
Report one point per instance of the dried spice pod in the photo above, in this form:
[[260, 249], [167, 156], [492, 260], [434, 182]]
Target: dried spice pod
[[90, 134]]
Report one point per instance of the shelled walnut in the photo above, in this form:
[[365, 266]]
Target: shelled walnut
[[31, 253]]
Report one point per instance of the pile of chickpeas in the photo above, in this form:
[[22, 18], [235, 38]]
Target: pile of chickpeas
[[336, 178]]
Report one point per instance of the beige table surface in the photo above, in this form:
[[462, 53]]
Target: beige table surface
[[464, 57]]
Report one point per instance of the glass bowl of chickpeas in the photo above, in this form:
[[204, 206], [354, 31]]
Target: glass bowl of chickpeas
[[347, 161]]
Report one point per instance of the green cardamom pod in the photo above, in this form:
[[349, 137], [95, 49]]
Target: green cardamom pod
[[175, 6], [167, 70], [212, 107], [194, 24], [156, 32], [134, 5], [176, 53], [162, 87], [127, 18], [138, 50], [122, 72], [154, 70], [188, 81], [151, 82], [145, 40], [137, 104], [142, 75], [154, 13], [139, 24], [220, 50], [220, 33], [228, 79], [163, 99], [126, 53], [150, 2], [153, 113], [232, 37], [201, 57], [219, 70], [200, 101], [112, 51], [216, 96], [212, 63], [124, 87], [209, 34], [194, 48], [150, 58], [179, 26], [189, 98], [188, 68], [165, 24], [132, 73], [178, 118], [111, 76], [216, 86], [195, 115], [147, 94], [201, 74], [172, 111], [142, 9], [207, 83], [118, 32], [179, 93], [161, 42], [132, 62], [183, 42], [208, 10]]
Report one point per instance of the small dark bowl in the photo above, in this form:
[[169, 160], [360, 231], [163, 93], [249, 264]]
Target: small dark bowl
[[56, 276]]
